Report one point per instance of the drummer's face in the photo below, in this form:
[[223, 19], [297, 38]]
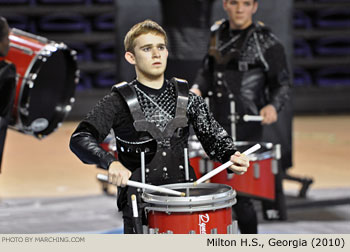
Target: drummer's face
[[5, 42], [149, 57]]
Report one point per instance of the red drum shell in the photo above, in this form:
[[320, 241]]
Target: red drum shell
[[199, 222], [47, 75], [260, 185]]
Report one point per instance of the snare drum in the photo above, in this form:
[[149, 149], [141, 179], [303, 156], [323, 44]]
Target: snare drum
[[205, 209], [259, 181], [47, 75]]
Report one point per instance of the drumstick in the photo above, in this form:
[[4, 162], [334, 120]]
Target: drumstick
[[135, 212], [132, 183], [252, 118], [225, 165]]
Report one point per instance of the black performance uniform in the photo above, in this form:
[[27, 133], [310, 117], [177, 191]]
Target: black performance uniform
[[155, 121], [7, 96], [248, 66]]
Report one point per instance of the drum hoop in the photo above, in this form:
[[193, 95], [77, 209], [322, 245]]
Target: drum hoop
[[192, 200], [262, 156], [20, 32], [190, 209], [189, 201]]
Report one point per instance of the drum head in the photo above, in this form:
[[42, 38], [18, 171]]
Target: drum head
[[52, 90]]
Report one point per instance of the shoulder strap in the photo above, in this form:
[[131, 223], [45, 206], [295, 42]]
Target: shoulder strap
[[182, 90], [128, 93]]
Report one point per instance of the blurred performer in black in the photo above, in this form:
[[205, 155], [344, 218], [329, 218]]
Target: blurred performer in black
[[187, 34], [152, 115], [7, 83], [245, 63]]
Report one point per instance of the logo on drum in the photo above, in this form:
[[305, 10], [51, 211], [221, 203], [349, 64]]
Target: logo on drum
[[203, 219], [39, 124]]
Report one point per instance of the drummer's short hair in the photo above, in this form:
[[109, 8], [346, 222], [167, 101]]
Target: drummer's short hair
[[3, 25], [145, 27]]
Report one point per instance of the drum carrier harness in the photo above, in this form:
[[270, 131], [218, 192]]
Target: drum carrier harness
[[170, 161], [247, 63]]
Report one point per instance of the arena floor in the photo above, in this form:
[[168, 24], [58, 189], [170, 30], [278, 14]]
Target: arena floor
[[44, 188]]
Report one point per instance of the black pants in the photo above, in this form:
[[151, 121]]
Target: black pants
[[131, 225], [128, 224], [246, 215]]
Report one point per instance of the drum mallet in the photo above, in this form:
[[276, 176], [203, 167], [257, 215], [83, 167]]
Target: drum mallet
[[131, 183], [225, 165]]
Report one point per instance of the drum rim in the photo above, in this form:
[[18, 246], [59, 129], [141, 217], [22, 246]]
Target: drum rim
[[191, 209], [192, 203]]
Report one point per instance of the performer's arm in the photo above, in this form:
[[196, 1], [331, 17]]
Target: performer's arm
[[278, 77], [93, 130], [216, 142], [278, 82], [85, 141], [85, 146]]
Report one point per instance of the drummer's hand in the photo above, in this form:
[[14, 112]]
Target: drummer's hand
[[196, 91], [240, 163], [118, 174], [269, 114]]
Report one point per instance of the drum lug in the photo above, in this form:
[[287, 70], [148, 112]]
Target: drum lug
[[169, 232], [256, 167], [210, 165], [24, 111], [230, 176], [214, 231], [229, 229], [145, 229], [30, 83], [67, 108], [233, 228], [277, 151], [77, 76], [202, 169], [42, 58], [192, 232], [274, 166], [32, 77], [151, 231]]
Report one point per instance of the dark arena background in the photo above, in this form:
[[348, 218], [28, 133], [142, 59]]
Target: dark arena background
[[44, 188]]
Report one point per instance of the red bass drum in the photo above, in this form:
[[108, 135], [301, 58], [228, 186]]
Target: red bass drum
[[47, 75]]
